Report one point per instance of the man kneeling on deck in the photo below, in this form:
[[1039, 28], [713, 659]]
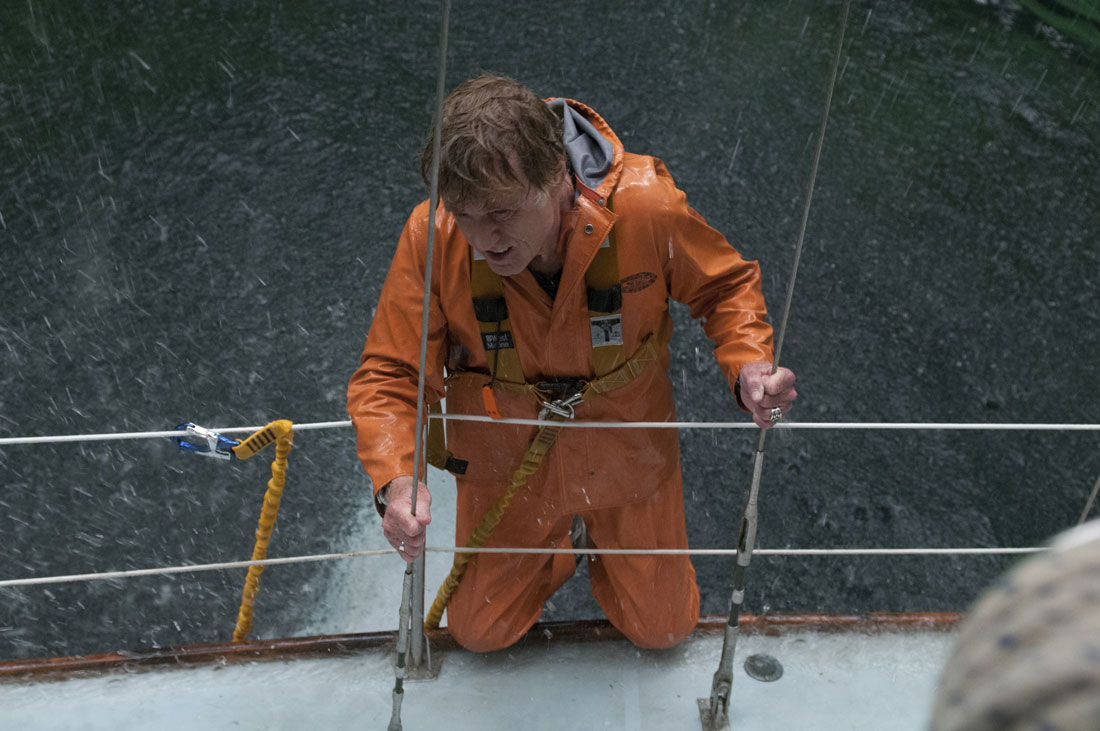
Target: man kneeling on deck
[[556, 253]]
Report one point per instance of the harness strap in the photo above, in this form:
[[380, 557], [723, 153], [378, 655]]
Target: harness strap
[[492, 319], [437, 454], [605, 307], [605, 304], [529, 464]]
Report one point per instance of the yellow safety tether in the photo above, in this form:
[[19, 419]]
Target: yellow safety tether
[[540, 445], [281, 433]]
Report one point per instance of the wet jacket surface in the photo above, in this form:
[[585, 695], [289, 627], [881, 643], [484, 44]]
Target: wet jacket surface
[[665, 250]]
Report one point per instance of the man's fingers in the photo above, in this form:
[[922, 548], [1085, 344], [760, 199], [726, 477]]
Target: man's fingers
[[778, 382], [401, 522], [762, 419], [753, 385], [410, 543], [783, 399], [424, 507]]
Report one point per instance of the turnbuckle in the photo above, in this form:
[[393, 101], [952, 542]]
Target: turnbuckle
[[212, 444]]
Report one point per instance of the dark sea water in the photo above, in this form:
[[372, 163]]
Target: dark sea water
[[199, 200]]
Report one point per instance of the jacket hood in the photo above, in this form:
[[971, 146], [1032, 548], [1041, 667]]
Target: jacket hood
[[594, 151]]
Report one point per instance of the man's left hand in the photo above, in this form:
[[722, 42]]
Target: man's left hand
[[762, 391]]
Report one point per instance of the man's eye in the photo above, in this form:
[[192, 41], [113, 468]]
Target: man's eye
[[503, 214]]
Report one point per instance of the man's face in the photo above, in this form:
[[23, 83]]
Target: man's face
[[511, 229]]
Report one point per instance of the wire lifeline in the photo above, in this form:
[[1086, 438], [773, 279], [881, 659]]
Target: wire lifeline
[[813, 425], [714, 711], [839, 425], [405, 614], [314, 558]]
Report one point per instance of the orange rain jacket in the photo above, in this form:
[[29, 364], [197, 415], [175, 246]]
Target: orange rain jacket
[[665, 249]]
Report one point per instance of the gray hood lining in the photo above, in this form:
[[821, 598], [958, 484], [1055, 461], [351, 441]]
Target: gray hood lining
[[589, 152]]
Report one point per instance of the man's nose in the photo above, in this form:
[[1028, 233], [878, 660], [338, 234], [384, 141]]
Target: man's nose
[[482, 235]]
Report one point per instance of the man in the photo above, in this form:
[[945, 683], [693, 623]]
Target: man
[[556, 253]]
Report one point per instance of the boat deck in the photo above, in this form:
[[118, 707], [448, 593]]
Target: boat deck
[[852, 680]]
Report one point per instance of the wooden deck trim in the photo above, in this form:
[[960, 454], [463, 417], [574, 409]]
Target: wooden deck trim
[[223, 653]]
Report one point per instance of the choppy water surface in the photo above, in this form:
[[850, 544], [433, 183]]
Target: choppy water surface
[[198, 205]]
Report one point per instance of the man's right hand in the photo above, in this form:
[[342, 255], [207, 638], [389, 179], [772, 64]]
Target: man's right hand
[[404, 531]]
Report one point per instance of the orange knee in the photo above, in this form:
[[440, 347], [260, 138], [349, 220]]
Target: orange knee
[[493, 609], [664, 633], [655, 609]]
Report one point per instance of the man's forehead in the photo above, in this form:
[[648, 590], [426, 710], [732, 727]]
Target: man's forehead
[[474, 205]]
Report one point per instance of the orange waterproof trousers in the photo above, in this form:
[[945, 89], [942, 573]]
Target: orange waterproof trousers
[[652, 600]]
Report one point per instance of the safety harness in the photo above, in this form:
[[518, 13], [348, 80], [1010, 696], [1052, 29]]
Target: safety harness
[[558, 399], [553, 409], [605, 302]]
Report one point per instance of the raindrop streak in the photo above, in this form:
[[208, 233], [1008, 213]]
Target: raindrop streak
[[1076, 114], [733, 158], [103, 174], [866, 21], [139, 60]]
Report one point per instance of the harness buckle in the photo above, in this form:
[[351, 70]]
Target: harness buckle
[[212, 444], [568, 395]]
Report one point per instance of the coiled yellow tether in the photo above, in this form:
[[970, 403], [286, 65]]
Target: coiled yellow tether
[[281, 433]]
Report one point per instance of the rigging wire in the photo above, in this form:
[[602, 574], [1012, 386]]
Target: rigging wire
[[407, 621], [714, 710], [1090, 501], [313, 558], [868, 425]]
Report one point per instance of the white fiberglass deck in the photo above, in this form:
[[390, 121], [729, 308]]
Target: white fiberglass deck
[[851, 681]]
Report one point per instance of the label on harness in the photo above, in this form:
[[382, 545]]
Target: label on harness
[[607, 330], [497, 340]]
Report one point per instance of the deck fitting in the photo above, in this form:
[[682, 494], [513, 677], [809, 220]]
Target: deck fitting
[[707, 717], [764, 668]]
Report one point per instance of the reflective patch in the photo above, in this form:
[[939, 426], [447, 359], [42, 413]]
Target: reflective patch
[[497, 340], [607, 330]]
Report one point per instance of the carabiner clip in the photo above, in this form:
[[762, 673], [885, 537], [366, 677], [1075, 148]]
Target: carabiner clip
[[562, 407], [212, 444]]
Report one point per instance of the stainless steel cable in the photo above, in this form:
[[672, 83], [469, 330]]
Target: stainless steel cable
[[406, 621], [838, 425], [1090, 501], [313, 558], [714, 710]]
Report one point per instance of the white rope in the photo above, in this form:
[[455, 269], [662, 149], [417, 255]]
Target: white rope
[[172, 434], [873, 425], [189, 568], [868, 425]]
